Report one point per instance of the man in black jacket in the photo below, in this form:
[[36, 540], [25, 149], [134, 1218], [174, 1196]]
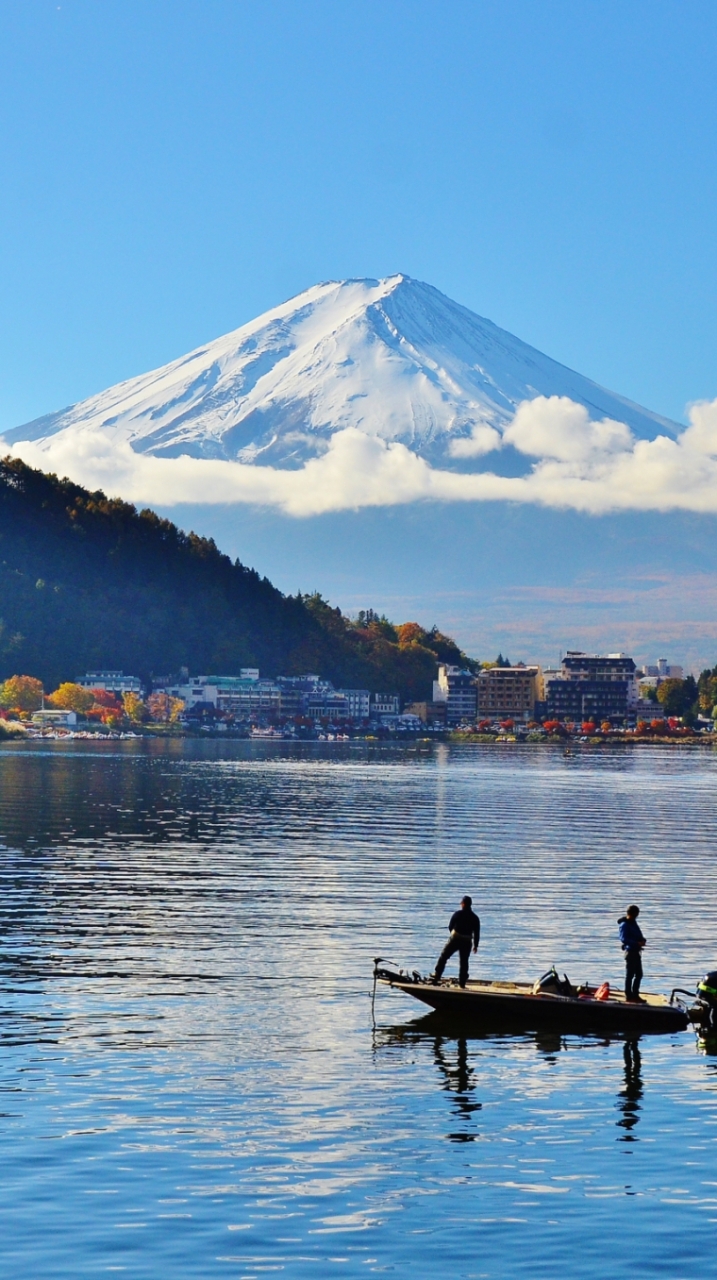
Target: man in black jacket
[[465, 929]]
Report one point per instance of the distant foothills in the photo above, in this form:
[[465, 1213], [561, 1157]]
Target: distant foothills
[[117, 616], [89, 583]]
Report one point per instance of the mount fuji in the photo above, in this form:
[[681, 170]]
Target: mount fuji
[[393, 359], [375, 440]]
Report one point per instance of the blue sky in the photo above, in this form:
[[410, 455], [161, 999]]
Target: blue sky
[[168, 170]]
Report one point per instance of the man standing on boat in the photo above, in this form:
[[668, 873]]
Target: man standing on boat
[[633, 941], [465, 929]]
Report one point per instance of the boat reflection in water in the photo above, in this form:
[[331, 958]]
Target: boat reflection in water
[[459, 1077]]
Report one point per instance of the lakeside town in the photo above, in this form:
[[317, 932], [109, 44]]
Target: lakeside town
[[591, 697]]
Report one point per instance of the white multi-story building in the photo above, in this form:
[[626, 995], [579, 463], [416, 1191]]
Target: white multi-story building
[[384, 704], [191, 692], [358, 703], [326, 704], [296, 692], [458, 690], [652, 674], [245, 695], [112, 682]]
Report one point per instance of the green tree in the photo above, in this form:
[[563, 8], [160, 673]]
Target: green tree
[[678, 697], [707, 688]]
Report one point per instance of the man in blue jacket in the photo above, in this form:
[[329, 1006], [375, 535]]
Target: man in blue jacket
[[465, 929], [632, 940]]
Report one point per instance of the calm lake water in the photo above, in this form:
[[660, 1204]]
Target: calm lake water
[[191, 1082]]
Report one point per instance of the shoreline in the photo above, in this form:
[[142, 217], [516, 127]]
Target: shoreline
[[412, 742], [569, 744]]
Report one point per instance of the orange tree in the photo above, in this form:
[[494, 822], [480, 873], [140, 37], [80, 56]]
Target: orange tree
[[106, 707], [163, 709], [555, 726], [72, 697], [21, 693]]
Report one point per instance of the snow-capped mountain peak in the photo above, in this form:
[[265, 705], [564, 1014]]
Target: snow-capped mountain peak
[[394, 358]]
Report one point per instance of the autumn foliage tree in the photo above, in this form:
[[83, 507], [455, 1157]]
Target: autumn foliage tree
[[134, 708], [71, 697], [163, 709], [106, 707], [107, 699], [21, 693]]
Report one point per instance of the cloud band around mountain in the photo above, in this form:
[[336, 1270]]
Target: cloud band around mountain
[[581, 464]]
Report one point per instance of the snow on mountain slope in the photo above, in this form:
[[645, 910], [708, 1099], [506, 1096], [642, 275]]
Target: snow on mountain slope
[[392, 358]]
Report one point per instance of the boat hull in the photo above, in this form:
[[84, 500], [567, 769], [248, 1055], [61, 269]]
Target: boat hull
[[481, 1006]]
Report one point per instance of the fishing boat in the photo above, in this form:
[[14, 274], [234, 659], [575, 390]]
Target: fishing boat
[[483, 1004]]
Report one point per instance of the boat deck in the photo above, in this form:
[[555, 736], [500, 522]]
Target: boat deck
[[484, 1002], [490, 986]]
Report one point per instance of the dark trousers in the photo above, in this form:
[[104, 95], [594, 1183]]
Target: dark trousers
[[464, 949], [633, 974]]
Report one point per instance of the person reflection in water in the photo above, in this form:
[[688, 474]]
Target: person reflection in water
[[464, 926], [459, 1081], [629, 1097]]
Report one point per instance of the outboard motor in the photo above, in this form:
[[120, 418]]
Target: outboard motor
[[552, 984], [703, 1013]]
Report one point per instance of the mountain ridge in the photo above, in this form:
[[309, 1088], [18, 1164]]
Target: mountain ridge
[[88, 582]]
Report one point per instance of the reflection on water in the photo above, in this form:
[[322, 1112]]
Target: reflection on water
[[451, 1056], [190, 1082], [629, 1097], [459, 1081], [457, 1072]]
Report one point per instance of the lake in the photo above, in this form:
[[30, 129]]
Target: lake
[[192, 1082]]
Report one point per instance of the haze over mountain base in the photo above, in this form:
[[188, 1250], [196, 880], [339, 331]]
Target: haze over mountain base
[[522, 580]]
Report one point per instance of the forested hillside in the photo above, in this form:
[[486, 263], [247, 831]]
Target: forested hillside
[[88, 582]]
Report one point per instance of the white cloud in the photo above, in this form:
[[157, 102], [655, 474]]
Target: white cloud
[[557, 427], [483, 439], [701, 435], [585, 465]]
